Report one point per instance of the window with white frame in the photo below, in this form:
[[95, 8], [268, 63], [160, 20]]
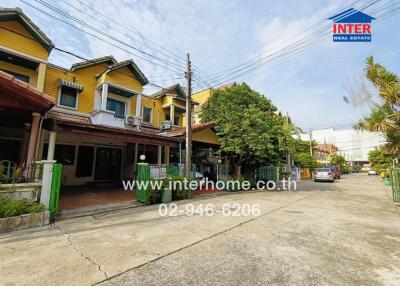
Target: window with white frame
[[68, 97], [147, 114]]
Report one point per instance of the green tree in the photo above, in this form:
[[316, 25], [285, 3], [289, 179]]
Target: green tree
[[379, 160], [385, 115], [338, 160], [302, 156], [303, 160], [252, 132]]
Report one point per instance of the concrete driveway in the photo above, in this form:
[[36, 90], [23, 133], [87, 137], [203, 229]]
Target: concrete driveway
[[346, 233]]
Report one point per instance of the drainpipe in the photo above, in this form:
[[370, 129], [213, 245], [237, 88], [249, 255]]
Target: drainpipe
[[180, 152], [39, 135]]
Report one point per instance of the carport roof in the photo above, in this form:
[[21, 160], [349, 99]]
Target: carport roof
[[81, 125]]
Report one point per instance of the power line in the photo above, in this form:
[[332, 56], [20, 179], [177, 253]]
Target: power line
[[75, 19], [101, 39], [365, 147], [294, 46], [160, 48], [106, 66], [256, 58], [197, 78], [263, 61], [79, 57]]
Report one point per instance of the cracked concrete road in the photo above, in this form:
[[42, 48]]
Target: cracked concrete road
[[346, 233]]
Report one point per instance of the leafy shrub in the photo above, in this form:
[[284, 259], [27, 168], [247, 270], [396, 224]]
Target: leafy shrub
[[154, 196], [235, 187], [15, 207], [37, 208], [179, 192]]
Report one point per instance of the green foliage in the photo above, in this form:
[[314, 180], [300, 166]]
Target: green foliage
[[250, 129], [303, 160], [302, 146], [10, 207], [338, 160], [379, 160], [385, 115], [155, 194], [345, 169], [179, 192]]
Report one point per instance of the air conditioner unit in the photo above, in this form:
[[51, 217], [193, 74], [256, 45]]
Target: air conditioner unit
[[132, 120], [166, 125]]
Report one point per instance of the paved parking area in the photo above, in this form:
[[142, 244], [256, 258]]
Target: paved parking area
[[346, 233]]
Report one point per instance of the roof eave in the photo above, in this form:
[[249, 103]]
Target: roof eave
[[29, 25]]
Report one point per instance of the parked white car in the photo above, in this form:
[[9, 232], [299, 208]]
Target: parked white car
[[324, 174], [372, 172]]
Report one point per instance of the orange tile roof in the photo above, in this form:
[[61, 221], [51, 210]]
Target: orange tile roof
[[69, 117], [182, 130]]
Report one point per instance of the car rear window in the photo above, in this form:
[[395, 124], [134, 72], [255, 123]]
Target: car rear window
[[323, 170]]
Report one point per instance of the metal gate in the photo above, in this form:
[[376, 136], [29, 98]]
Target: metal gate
[[268, 173], [142, 182], [395, 176], [223, 172], [55, 189]]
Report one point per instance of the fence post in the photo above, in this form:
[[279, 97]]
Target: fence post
[[46, 182], [395, 176], [277, 174]]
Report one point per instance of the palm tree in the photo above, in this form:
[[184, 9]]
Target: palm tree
[[384, 116]]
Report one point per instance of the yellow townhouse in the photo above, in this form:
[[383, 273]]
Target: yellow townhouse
[[92, 117], [101, 121]]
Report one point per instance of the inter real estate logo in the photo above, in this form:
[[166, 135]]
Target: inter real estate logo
[[352, 26]]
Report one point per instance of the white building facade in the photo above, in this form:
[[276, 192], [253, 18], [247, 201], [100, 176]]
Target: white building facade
[[353, 145]]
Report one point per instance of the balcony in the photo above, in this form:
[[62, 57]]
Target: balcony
[[113, 106]]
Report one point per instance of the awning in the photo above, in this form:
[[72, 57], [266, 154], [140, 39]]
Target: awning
[[120, 91], [70, 84]]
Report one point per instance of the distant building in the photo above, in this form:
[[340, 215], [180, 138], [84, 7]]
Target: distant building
[[353, 145], [323, 153]]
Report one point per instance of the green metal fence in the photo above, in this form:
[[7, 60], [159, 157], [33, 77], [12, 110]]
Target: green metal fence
[[174, 170], [55, 189], [223, 172], [268, 173], [395, 176]]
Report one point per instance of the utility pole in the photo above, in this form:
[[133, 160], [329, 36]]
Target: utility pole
[[288, 157], [311, 151], [188, 157]]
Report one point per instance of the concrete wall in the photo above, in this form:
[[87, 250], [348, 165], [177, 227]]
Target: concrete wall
[[29, 191]]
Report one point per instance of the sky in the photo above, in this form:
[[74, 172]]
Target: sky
[[222, 34]]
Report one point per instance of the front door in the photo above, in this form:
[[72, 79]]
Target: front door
[[108, 164]]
